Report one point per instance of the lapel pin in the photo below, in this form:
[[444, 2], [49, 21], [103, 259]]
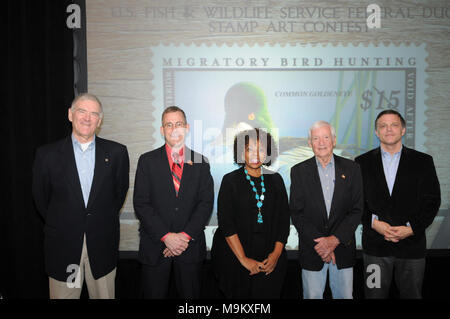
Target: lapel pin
[[106, 160], [343, 176]]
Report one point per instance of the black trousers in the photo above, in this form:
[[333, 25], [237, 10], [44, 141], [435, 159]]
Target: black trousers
[[379, 271], [156, 279]]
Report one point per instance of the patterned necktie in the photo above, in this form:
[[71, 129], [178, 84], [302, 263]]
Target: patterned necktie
[[176, 172]]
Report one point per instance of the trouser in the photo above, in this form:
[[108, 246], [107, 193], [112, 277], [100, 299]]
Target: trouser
[[341, 282], [378, 273], [156, 279], [101, 288]]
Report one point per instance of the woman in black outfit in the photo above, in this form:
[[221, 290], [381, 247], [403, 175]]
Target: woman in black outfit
[[248, 253]]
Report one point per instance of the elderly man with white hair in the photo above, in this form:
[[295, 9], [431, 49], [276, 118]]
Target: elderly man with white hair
[[326, 203]]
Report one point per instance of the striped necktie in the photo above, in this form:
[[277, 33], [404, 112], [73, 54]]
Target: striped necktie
[[176, 172]]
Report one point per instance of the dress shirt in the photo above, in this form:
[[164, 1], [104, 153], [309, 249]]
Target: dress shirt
[[390, 167], [170, 158], [327, 178], [85, 161]]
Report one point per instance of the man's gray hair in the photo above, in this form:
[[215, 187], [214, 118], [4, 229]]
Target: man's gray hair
[[319, 124], [87, 97]]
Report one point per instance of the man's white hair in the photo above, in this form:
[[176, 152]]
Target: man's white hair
[[87, 97], [319, 124]]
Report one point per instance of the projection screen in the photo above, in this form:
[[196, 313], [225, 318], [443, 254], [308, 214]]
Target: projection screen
[[279, 65]]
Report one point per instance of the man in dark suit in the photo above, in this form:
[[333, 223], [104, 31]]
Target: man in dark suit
[[326, 203], [402, 197], [79, 186], [173, 200]]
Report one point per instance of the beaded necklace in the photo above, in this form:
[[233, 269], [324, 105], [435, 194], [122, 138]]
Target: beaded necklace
[[259, 198]]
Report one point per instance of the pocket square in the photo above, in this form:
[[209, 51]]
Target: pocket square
[[343, 176]]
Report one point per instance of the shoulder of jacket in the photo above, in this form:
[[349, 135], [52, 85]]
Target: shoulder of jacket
[[149, 155], [304, 164], [197, 158], [367, 155], [346, 161], [110, 143], [53, 146], [417, 154]]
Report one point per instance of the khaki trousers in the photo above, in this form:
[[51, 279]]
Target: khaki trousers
[[102, 288]]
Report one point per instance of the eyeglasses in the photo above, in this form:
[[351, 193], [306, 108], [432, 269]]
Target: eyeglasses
[[85, 112], [170, 125]]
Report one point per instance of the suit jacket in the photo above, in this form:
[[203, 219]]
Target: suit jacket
[[160, 211], [309, 214], [58, 197], [415, 199]]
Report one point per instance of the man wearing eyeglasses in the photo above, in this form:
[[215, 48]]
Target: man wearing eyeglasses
[[173, 200], [79, 186]]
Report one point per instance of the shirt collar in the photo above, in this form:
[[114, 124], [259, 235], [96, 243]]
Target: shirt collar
[[77, 144], [387, 154], [330, 164], [169, 153]]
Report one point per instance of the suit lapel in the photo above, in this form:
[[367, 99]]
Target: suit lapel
[[102, 160], [379, 172], [399, 177], [317, 186], [187, 170], [164, 165], [70, 169], [339, 183]]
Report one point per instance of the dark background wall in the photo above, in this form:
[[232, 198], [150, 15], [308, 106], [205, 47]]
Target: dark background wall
[[436, 281], [39, 87]]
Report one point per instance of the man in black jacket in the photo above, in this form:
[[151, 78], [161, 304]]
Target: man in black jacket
[[326, 203], [173, 200], [79, 186], [402, 197]]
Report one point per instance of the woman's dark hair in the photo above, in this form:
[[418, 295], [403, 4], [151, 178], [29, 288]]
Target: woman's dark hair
[[265, 139]]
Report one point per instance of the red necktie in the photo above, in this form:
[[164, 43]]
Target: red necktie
[[176, 172]]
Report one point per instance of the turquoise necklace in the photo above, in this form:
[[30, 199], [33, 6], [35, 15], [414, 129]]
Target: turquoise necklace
[[259, 198]]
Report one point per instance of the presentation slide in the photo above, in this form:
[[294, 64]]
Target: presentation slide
[[277, 65]]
